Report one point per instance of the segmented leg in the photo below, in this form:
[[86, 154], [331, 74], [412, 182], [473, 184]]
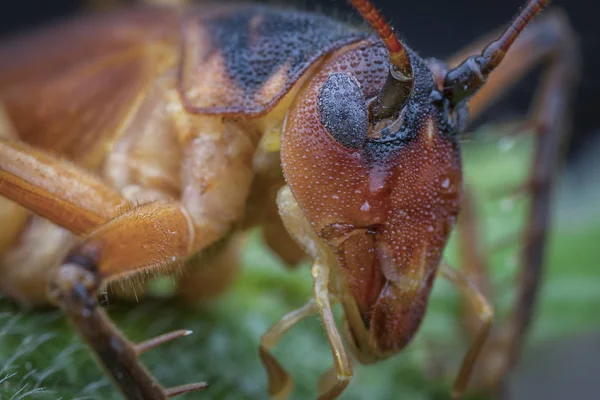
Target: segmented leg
[[280, 382], [75, 289], [38, 182], [120, 239], [343, 367], [549, 40], [473, 259], [484, 314]]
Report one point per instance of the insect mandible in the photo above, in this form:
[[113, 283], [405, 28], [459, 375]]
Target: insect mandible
[[156, 134]]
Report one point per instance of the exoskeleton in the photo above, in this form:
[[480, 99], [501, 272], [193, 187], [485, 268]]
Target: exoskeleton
[[136, 140]]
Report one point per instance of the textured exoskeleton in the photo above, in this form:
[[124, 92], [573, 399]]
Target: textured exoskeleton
[[143, 139]]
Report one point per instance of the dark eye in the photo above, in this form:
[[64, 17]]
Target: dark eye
[[343, 110]]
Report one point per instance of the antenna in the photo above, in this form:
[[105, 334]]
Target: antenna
[[398, 85], [464, 80]]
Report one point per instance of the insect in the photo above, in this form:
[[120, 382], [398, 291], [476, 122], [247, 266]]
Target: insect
[[156, 134]]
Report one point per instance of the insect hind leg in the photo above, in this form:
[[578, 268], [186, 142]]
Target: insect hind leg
[[75, 289], [120, 239]]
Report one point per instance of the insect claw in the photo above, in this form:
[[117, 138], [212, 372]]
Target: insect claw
[[192, 387], [158, 340]]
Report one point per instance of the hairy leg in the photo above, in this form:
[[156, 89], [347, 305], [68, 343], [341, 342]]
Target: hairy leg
[[123, 239]]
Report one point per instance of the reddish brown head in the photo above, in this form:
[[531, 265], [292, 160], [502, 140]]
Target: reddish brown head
[[371, 155], [382, 189]]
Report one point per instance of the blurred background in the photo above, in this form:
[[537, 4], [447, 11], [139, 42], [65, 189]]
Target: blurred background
[[563, 354]]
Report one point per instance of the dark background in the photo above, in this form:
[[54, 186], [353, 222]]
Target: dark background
[[432, 27]]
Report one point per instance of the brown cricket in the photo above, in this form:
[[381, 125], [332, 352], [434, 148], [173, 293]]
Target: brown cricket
[[138, 140]]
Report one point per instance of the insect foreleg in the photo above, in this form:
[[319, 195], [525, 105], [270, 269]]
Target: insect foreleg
[[343, 366], [484, 313], [323, 279], [280, 382]]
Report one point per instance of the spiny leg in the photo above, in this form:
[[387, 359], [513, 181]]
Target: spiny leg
[[32, 178], [125, 245], [484, 313], [75, 290], [549, 40], [149, 344], [105, 254]]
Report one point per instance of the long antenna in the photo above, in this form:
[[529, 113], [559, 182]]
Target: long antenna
[[398, 86], [398, 55], [464, 80]]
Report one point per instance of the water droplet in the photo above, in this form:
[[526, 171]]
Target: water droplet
[[446, 183], [365, 207]]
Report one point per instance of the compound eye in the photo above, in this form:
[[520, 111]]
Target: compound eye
[[343, 110]]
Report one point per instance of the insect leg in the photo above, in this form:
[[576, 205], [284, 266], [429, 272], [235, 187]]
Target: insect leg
[[474, 262], [280, 242], [300, 229], [12, 216], [55, 189], [320, 273], [484, 313], [280, 383], [550, 40], [121, 239], [158, 340], [123, 246]]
